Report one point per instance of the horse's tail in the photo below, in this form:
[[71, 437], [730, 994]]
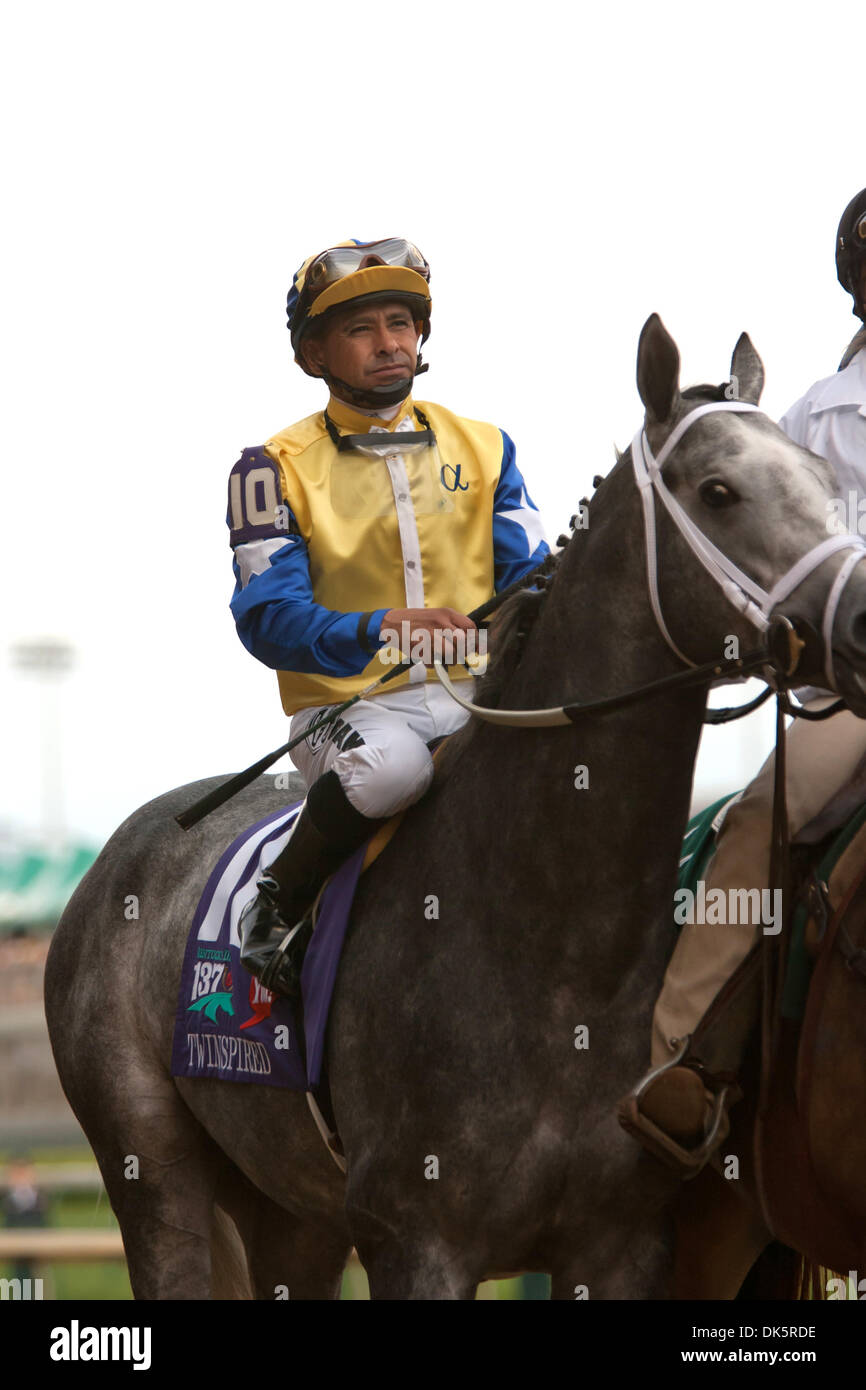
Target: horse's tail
[[230, 1277], [782, 1273]]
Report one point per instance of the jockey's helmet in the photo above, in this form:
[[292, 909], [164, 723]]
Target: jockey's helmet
[[354, 270], [851, 250]]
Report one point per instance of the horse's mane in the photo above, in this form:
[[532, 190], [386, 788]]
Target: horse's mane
[[508, 634], [514, 621], [508, 629]]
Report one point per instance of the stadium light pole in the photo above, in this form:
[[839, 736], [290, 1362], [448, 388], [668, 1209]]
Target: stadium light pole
[[48, 659]]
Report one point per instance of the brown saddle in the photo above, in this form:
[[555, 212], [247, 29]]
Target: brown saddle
[[800, 1132]]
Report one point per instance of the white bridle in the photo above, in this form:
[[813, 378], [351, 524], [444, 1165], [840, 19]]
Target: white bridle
[[742, 592]]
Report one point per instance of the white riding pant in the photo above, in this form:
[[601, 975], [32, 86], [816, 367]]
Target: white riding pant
[[378, 747]]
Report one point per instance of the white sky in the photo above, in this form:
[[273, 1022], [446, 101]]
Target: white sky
[[566, 171]]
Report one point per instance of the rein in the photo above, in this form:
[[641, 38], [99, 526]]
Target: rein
[[744, 593], [223, 793], [706, 674]]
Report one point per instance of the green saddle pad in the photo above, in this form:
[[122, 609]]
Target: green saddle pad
[[698, 846]]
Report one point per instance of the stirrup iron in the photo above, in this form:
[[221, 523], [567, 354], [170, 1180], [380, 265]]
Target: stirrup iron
[[688, 1162], [271, 970]]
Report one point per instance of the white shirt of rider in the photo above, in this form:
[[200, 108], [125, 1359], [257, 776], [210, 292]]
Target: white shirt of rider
[[830, 419]]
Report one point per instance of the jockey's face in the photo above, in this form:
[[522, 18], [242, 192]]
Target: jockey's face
[[367, 347]]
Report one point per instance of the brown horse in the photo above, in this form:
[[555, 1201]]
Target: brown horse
[[800, 1149]]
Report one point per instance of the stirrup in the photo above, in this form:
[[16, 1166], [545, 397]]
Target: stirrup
[[688, 1162], [269, 975]]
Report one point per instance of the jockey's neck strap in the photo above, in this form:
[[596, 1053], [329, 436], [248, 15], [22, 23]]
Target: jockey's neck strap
[[744, 594]]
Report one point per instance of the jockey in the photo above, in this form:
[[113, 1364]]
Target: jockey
[[372, 526], [830, 420]]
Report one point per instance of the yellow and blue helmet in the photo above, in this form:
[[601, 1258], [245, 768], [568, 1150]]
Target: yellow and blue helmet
[[368, 270]]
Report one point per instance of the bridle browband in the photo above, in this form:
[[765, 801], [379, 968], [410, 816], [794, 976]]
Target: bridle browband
[[745, 595]]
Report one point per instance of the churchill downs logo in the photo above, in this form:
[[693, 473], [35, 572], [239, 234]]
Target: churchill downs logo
[[212, 984], [211, 994]]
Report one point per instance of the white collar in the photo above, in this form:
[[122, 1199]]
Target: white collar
[[386, 413]]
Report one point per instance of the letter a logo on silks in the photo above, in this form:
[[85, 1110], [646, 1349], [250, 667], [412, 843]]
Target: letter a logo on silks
[[456, 486]]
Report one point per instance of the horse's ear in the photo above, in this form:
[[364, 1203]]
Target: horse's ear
[[658, 370], [747, 372]]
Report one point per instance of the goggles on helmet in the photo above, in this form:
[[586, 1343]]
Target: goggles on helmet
[[389, 268], [339, 261]]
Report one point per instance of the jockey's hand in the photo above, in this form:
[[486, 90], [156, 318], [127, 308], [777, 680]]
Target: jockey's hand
[[428, 632]]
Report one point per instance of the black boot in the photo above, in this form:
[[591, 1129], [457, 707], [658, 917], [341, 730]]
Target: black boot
[[276, 926]]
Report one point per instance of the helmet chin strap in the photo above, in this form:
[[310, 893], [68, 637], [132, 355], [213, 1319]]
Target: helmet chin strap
[[370, 398]]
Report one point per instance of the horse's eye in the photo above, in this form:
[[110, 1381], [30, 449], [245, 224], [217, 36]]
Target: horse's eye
[[717, 494]]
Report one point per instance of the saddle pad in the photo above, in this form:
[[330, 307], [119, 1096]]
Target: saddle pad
[[227, 1026], [699, 842]]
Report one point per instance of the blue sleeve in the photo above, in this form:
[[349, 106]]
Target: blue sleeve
[[276, 616], [518, 535]]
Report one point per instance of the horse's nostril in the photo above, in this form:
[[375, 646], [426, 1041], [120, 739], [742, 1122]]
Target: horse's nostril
[[858, 630]]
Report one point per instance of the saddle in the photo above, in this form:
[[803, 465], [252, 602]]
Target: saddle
[[771, 1131], [795, 1205]]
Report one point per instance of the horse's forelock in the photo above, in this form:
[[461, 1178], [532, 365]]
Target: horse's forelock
[[704, 394]]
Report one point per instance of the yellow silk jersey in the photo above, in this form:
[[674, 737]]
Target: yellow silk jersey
[[326, 540]]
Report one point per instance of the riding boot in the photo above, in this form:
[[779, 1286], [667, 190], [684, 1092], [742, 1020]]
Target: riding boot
[[276, 926], [679, 1109]]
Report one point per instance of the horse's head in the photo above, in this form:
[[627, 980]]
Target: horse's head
[[735, 487]]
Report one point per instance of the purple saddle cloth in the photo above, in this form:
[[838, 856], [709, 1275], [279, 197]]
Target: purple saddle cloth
[[227, 1025]]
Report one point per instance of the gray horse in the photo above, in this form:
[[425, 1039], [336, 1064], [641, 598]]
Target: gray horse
[[475, 1056]]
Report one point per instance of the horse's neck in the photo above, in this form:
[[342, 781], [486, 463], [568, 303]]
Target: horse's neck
[[596, 633], [617, 828]]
